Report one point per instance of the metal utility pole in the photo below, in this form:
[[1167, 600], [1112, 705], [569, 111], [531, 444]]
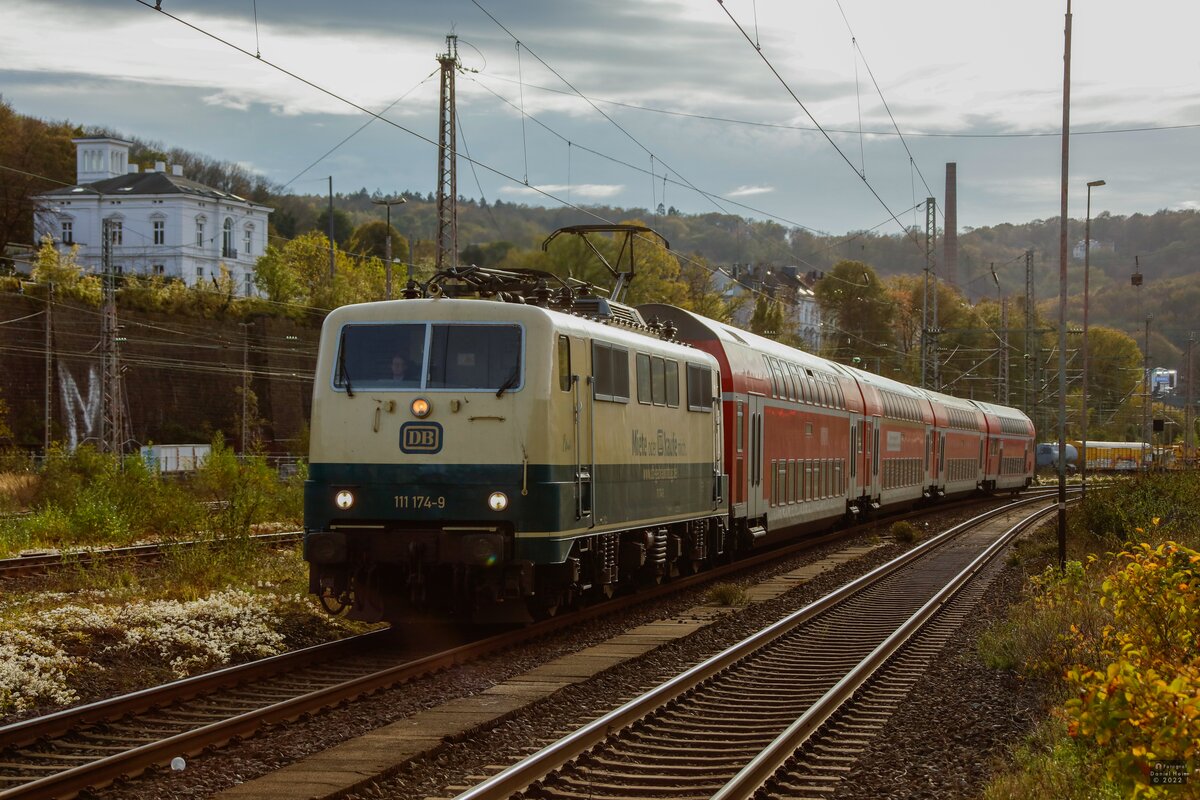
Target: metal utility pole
[[387, 247], [1083, 398], [331, 260], [1032, 356], [1187, 408], [1146, 437], [447, 195], [929, 332], [49, 368], [1062, 301], [112, 417], [1004, 351]]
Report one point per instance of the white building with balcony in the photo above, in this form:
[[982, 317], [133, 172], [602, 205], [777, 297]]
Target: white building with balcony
[[160, 222]]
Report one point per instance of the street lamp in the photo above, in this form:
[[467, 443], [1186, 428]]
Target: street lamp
[[1083, 425], [388, 245]]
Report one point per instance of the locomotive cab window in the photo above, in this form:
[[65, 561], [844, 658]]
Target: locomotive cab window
[[474, 357], [380, 357], [428, 356]]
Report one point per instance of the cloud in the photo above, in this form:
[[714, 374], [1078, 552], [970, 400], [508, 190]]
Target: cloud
[[749, 191], [227, 100], [588, 191]]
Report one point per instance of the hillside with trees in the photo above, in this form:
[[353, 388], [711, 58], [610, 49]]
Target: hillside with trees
[[871, 296]]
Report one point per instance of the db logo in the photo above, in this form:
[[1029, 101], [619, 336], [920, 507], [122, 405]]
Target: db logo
[[420, 437]]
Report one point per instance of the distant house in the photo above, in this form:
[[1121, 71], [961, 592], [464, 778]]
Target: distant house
[[1097, 247], [161, 223], [793, 289]]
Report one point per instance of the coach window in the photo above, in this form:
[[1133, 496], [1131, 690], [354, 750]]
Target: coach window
[[610, 368], [642, 365], [770, 371], [564, 364], [699, 388]]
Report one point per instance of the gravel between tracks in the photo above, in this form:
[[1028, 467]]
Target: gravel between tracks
[[982, 698]]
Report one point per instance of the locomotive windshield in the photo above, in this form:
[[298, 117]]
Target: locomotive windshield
[[428, 356]]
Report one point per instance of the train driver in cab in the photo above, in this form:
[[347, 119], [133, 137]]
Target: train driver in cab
[[404, 371]]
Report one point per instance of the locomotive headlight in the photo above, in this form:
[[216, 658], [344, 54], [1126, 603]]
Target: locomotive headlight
[[497, 501], [344, 499], [420, 408]]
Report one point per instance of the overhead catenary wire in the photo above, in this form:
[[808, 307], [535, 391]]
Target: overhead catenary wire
[[813, 119], [912, 134], [392, 123]]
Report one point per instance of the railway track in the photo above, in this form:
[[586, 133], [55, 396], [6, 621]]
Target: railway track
[[806, 692], [89, 746], [41, 563]]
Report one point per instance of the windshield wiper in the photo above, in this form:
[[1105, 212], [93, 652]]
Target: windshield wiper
[[342, 373], [511, 382]]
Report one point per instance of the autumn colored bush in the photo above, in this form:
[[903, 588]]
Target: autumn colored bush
[[1143, 705]]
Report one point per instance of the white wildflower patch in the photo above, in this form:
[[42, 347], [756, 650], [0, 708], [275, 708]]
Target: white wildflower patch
[[40, 654], [33, 671]]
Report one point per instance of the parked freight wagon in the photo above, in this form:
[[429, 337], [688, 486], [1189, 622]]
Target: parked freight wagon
[[172, 459]]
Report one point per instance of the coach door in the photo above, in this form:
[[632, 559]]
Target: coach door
[[871, 455], [756, 505], [584, 410]]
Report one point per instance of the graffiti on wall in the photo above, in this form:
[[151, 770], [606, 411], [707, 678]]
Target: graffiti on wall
[[81, 415]]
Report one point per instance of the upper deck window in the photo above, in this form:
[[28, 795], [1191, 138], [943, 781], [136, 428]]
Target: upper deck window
[[429, 356]]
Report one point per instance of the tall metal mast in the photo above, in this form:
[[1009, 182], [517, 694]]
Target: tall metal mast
[[113, 424], [447, 195]]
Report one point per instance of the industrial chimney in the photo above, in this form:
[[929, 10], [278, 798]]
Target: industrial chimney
[[950, 234]]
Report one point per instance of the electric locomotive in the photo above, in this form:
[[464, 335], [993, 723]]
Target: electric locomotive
[[502, 459], [498, 460]]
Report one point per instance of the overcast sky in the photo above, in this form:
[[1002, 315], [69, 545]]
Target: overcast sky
[[681, 107]]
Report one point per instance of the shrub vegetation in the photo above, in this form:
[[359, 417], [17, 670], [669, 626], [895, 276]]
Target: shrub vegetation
[[1115, 636]]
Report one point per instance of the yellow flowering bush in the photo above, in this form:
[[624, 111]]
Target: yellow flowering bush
[[1141, 703]]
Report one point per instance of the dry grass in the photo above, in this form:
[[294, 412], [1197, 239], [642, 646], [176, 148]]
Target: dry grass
[[17, 490]]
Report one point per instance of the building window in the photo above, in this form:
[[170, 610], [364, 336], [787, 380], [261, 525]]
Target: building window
[[160, 231], [249, 284], [116, 232], [159, 269], [68, 232], [199, 274], [247, 238], [200, 232], [227, 250]]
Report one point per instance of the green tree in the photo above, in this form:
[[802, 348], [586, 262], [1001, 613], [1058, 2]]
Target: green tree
[[702, 295], [767, 319], [40, 157], [1114, 384], [369, 240], [298, 272], [861, 310], [60, 269], [343, 226]]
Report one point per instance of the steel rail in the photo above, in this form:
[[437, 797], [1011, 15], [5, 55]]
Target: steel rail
[[521, 775], [131, 762], [763, 766]]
